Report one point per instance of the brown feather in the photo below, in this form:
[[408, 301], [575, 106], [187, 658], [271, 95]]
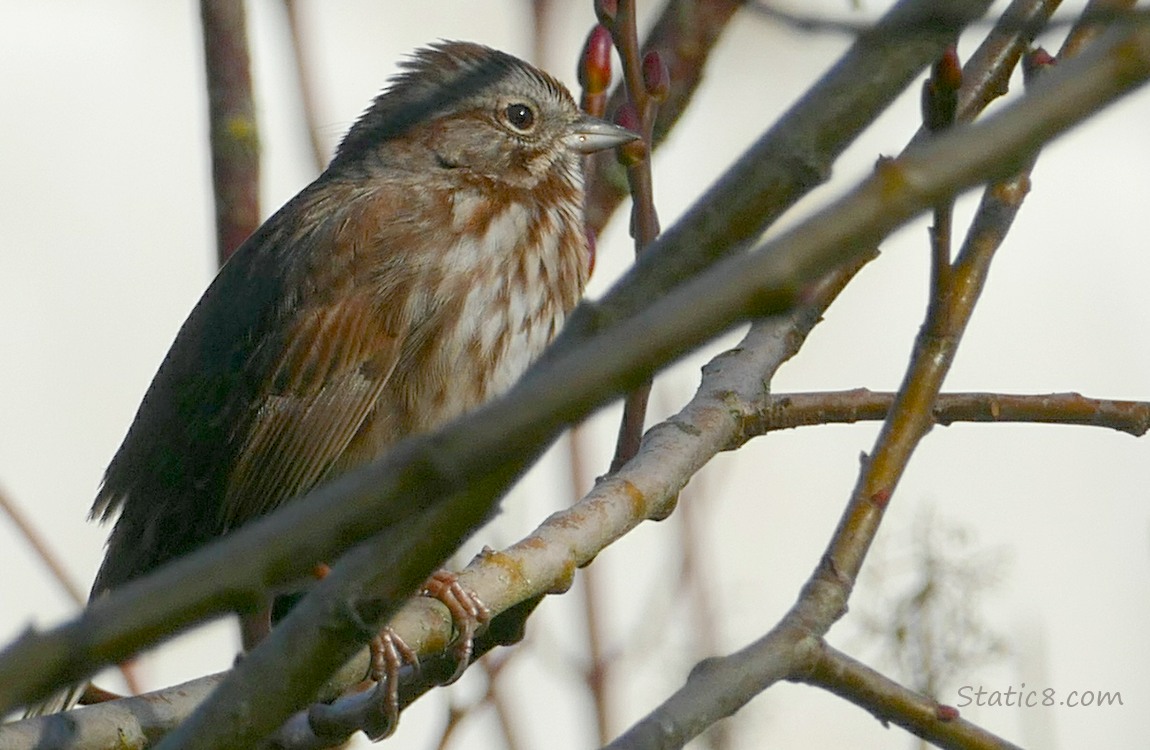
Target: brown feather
[[415, 279]]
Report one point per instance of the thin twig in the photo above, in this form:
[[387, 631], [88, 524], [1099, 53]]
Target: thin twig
[[790, 410], [497, 698], [43, 549], [789, 160], [646, 84], [821, 24], [889, 701], [685, 34], [233, 130], [987, 73], [719, 687], [597, 673]]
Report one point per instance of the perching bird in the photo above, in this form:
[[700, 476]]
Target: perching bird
[[416, 278]]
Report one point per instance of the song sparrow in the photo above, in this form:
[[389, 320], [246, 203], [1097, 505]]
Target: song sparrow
[[417, 277]]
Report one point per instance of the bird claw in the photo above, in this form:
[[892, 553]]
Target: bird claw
[[468, 613], [389, 653]]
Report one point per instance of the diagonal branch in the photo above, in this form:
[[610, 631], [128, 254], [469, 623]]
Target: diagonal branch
[[317, 650], [42, 548], [719, 687], [889, 701]]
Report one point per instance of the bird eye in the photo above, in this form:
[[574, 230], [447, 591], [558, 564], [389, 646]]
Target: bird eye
[[520, 116]]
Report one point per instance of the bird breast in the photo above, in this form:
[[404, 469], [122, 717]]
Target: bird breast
[[515, 271]]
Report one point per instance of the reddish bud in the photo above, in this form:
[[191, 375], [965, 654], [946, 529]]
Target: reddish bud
[[595, 62], [635, 151], [940, 92], [605, 11], [628, 117], [947, 70], [1034, 62], [656, 79], [881, 499], [945, 713]]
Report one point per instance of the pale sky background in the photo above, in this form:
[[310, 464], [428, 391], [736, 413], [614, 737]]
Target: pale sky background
[[106, 242]]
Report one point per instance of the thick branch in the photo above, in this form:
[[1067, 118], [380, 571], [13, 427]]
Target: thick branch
[[219, 722], [787, 651], [543, 562]]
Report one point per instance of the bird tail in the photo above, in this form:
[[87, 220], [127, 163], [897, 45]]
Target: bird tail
[[61, 700]]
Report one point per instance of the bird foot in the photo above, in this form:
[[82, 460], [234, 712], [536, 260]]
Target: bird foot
[[468, 614], [389, 653]]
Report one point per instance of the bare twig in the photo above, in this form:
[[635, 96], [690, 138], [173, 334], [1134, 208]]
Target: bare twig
[[597, 673], [647, 83], [889, 701], [684, 34], [233, 130], [42, 549], [719, 687], [819, 24], [986, 73], [790, 159], [1094, 20], [790, 410], [62, 577]]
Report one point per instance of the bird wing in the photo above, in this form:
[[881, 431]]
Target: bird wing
[[332, 367], [270, 377]]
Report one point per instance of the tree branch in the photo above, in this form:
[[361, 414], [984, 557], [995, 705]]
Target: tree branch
[[233, 130], [789, 410], [793, 157], [889, 701], [685, 34], [719, 687]]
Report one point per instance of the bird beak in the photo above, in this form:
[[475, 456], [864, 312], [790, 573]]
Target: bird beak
[[590, 134]]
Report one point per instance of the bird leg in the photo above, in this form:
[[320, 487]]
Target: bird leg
[[389, 652], [468, 614], [378, 714]]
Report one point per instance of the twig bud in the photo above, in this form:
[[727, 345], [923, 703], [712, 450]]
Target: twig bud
[[940, 91], [635, 151], [1034, 62], [656, 78], [595, 62]]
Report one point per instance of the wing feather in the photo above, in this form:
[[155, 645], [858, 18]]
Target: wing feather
[[328, 381], [276, 369]]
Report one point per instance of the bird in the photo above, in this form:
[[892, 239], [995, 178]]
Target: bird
[[416, 278]]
